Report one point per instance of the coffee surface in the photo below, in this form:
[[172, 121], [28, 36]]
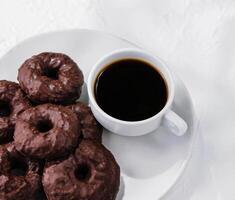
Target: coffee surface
[[130, 90]]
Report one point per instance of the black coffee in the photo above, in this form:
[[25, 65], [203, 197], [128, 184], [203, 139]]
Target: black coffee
[[130, 90]]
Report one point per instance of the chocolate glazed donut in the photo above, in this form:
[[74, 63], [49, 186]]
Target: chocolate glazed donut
[[12, 103], [90, 127], [46, 132], [90, 174], [51, 78], [19, 177]]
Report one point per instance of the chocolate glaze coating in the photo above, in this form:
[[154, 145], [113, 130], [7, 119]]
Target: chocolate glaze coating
[[46, 132], [20, 179], [91, 173], [4, 161], [10, 147], [51, 78], [90, 127], [12, 103]]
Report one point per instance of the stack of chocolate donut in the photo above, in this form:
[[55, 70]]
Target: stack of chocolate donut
[[50, 143]]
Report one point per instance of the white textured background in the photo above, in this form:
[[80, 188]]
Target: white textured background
[[196, 37]]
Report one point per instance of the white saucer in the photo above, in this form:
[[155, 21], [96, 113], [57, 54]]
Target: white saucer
[[150, 164]]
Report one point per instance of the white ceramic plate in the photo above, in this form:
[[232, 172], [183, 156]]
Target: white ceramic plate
[[150, 164]]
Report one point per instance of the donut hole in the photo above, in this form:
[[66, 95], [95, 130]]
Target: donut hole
[[52, 73], [9, 138], [5, 109], [83, 172], [44, 125], [18, 167]]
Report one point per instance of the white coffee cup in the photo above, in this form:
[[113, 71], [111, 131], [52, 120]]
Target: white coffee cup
[[166, 116]]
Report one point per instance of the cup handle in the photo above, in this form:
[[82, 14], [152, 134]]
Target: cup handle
[[175, 123]]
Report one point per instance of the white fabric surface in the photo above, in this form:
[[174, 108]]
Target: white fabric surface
[[195, 37]]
